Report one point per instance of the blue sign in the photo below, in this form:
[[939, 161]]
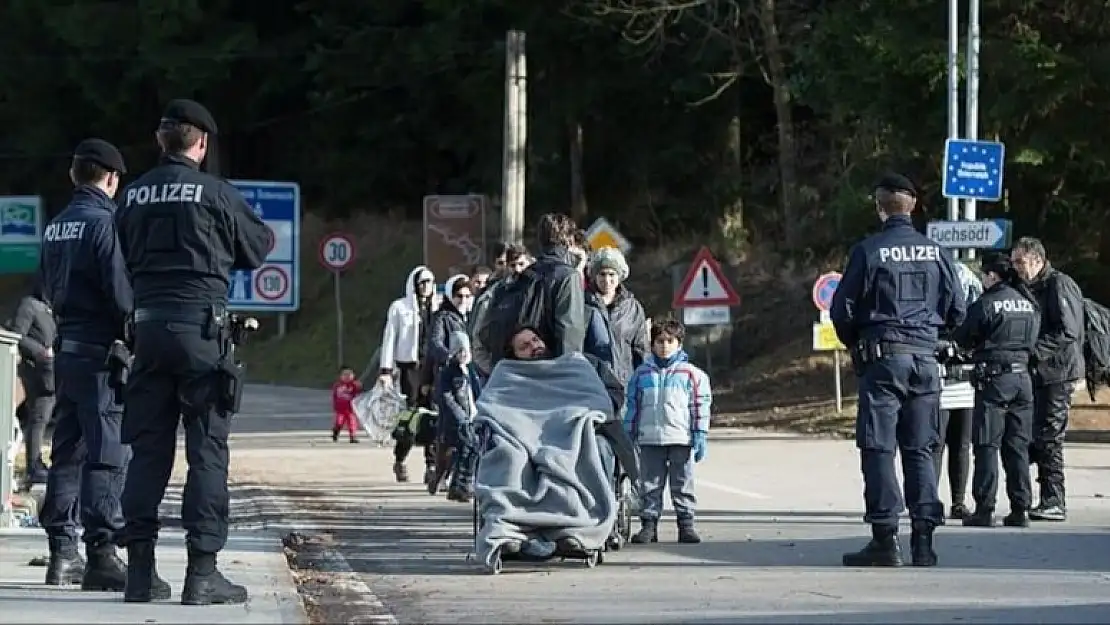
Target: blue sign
[[973, 169], [276, 285], [824, 289]]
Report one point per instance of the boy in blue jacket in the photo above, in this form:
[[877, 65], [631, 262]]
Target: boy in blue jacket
[[456, 395], [667, 414]]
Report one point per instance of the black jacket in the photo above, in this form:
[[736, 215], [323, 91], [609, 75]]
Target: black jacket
[[1059, 349], [35, 321], [182, 232], [1001, 327], [618, 332], [446, 320], [565, 328]]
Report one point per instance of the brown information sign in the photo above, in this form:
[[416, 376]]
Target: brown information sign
[[454, 233]]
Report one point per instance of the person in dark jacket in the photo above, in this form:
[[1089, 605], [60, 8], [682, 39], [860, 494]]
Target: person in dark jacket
[[513, 259], [34, 320], [617, 331], [560, 264], [457, 390], [1059, 365], [449, 318]]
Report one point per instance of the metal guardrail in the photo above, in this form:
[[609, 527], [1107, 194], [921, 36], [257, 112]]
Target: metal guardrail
[[9, 359]]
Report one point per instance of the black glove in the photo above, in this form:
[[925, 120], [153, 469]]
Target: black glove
[[119, 364]]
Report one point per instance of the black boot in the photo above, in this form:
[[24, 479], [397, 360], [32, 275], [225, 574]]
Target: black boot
[[1018, 517], [921, 544], [335, 435], [104, 571], [649, 532], [983, 517], [205, 585], [883, 550], [959, 510], [66, 566], [143, 583], [686, 532]]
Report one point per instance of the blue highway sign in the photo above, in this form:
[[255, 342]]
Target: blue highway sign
[[973, 169], [276, 285]]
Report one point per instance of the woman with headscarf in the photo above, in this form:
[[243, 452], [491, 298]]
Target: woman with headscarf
[[617, 327], [955, 423]]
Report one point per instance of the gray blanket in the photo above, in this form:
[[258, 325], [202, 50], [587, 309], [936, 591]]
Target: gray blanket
[[543, 476]]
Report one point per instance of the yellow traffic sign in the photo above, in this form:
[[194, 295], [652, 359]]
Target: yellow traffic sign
[[603, 234], [824, 338]]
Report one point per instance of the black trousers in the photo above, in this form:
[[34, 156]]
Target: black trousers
[[174, 379], [955, 435], [1003, 425], [33, 415], [1052, 406], [87, 459], [412, 378]]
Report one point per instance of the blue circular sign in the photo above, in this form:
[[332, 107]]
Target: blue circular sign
[[824, 289]]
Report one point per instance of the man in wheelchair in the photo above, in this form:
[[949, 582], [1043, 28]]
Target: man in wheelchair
[[566, 384]]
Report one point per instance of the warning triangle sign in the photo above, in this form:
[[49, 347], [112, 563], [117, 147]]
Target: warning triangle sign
[[705, 284]]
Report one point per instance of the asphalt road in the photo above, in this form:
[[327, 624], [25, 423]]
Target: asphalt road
[[776, 514]]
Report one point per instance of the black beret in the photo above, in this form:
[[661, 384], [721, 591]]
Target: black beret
[[896, 182], [183, 111], [102, 153]]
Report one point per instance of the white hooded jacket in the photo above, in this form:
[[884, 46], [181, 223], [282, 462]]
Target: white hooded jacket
[[401, 337]]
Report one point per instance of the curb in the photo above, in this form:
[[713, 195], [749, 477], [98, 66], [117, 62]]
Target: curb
[[1088, 436], [357, 601]]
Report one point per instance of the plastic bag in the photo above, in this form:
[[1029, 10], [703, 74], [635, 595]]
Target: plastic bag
[[379, 411]]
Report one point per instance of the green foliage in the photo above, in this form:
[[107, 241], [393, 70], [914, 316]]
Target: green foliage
[[372, 105]]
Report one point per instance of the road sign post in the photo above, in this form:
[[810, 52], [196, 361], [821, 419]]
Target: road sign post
[[992, 234], [824, 335], [337, 252], [276, 285], [706, 296], [603, 234]]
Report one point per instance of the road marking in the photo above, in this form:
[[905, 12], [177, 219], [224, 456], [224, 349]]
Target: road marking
[[725, 488]]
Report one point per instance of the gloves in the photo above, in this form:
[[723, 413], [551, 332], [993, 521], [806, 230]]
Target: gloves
[[701, 442]]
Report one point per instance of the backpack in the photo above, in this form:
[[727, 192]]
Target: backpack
[[1096, 345], [520, 302]]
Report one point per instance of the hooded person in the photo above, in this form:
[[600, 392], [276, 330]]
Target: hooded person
[[403, 351], [457, 388], [451, 317]]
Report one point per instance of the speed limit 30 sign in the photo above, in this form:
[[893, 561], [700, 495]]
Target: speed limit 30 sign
[[337, 252]]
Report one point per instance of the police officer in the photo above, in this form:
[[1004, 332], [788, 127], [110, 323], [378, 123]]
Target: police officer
[[1001, 330], [898, 289], [182, 233], [84, 281]]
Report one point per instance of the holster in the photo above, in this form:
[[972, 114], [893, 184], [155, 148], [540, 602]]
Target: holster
[[232, 376], [118, 362], [864, 353]]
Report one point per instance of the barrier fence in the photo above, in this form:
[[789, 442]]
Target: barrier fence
[[9, 359]]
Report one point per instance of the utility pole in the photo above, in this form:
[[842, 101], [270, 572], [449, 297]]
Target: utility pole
[[953, 89], [515, 139], [973, 34]]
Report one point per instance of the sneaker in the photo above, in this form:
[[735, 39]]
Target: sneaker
[[1048, 513]]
